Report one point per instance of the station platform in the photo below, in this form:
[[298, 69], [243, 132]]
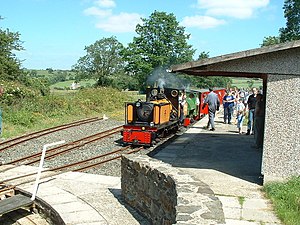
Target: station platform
[[222, 159]]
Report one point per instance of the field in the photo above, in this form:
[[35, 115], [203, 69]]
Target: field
[[246, 83], [239, 82], [67, 84]]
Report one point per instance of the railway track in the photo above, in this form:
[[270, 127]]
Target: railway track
[[103, 144], [62, 149], [20, 216], [79, 166], [23, 217], [21, 139]]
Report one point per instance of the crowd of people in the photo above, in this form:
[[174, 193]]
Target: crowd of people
[[239, 103]]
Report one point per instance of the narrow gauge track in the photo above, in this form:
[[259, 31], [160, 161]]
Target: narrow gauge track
[[33, 219], [18, 140], [22, 217], [79, 166], [53, 152], [19, 216]]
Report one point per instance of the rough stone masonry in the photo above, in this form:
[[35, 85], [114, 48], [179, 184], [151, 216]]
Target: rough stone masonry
[[165, 196]]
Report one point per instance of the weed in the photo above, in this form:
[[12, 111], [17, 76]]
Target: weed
[[286, 200]]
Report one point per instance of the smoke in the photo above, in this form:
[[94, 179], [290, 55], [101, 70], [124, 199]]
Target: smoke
[[162, 79], [161, 83]]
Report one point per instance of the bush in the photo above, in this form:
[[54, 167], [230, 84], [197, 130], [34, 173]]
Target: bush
[[15, 92]]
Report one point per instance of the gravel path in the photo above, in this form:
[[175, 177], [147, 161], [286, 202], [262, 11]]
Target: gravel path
[[87, 151]]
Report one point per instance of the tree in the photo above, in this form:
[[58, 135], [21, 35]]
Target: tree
[[160, 42], [271, 40], [292, 30], [101, 62], [10, 66], [203, 55], [210, 81], [292, 15]]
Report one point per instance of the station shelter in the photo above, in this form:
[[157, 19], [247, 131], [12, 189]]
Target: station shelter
[[279, 68]]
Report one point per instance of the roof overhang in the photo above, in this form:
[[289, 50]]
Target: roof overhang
[[281, 59]]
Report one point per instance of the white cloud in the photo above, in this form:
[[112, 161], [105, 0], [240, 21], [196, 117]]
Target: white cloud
[[241, 9], [124, 22], [107, 21], [94, 11], [201, 22], [106, 3]]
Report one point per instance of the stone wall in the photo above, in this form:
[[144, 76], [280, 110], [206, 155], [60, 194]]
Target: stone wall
[[165, 195], [281, 154]]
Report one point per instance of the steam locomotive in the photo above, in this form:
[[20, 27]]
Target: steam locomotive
[[160, 115]]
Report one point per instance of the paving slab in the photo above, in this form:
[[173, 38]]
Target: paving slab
[[80, 198]]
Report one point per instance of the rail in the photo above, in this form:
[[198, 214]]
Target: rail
[[18, 140]]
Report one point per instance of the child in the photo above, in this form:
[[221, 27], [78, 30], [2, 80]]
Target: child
[[240, 109]]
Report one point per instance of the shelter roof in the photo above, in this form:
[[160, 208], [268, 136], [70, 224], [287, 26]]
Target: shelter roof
[[281, 59]]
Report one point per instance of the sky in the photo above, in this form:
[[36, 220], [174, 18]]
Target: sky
[[55, 32]]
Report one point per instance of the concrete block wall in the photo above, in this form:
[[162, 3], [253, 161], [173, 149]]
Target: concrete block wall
[[165, 195], [281, 152]]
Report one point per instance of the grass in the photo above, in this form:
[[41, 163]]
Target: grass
[[42, 112], [67, 84], [286, 200], [241, 82]]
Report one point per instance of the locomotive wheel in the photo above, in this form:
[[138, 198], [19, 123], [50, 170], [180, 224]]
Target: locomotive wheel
[[162, 134], [153, 143], [157, 140]]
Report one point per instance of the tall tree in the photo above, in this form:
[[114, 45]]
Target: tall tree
[[292, 15], [203, 55], [10, 66], [160, 42], [292, 30], [270, 40], [210, 81], [101, 62]]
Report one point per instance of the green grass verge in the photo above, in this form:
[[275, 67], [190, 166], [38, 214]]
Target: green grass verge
[[32, 114], [246, 83], [286, 200]]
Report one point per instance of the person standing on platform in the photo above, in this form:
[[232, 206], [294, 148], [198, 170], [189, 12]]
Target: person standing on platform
[[228, 104], [240, 113], [251, 113], [259, 121], [182, 101], [213, 102]]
